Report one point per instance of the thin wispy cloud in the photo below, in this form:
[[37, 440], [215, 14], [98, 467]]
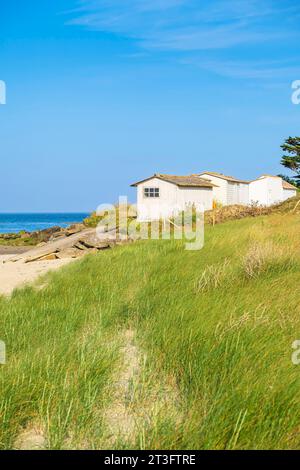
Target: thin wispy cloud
[[189, 24], [261, 70], [210, 35], [222, 37]]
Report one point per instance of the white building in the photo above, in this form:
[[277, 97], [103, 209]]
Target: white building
[[162, 196], [228, 190], [288, 190], [268, 190]]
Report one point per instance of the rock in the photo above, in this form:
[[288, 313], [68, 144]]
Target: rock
[[106, 236], [114, 235], [25, 235], [80, 246], [103, 245], [55, 246], [46, 234], [73, 246], [9, 236], [92, 241], [49, 257], [75, 228], [57, 236], [70, 253]]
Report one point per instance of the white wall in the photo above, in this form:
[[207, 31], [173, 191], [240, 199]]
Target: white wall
[[172, 199], [219, 192], [232, 193], [228, 193], [244, 194], [266, 191], [237, 193], [258, 192], [198, 196], [288, 193], [154, 208]]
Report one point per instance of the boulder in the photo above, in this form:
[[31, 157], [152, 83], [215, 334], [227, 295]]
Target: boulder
[[73, 246], [92, 240], [80, 246], [75, 228], [46, 234], [25, 235], [9, 236], [50, 257], [54, 246], [70, 253], [57, 236]]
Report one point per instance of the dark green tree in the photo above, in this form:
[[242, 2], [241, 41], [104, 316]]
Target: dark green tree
[[292, 158]]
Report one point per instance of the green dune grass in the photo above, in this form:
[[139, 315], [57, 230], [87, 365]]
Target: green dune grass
[[213, 328]]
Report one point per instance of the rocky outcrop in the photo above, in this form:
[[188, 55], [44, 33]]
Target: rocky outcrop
[[73, 242], [67, 232], [24, 238]]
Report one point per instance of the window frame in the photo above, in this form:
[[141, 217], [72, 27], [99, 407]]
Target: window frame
[[151, 192]]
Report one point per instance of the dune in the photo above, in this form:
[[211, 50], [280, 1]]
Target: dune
[[18, 274]]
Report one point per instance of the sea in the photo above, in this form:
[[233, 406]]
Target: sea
[[13, 223]]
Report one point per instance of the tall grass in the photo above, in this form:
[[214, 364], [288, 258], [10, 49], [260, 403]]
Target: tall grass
[[214, 329], [228, 341], [62, 346]]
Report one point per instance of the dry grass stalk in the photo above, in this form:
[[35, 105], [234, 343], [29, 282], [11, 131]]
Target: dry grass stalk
[[213, 276], [260, 257]]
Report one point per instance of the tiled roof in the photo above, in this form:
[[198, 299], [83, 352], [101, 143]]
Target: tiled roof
[[224, 177], [183, 181], [287, 185]]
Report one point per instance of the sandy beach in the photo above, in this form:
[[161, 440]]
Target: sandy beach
[[18, 274], [21, 265], [13, 250]]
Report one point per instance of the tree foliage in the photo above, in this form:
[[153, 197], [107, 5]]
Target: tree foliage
[[291, 159]]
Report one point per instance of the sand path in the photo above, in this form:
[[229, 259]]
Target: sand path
[[18, 274]]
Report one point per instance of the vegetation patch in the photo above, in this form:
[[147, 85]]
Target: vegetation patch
[[211, 335]]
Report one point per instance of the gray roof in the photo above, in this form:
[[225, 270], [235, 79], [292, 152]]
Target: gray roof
[[183, 181], [287, 185], [223, 177]]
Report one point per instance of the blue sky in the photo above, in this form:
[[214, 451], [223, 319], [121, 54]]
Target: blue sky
[[101, 93]]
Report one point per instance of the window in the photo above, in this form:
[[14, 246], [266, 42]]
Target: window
[[151, 192]]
